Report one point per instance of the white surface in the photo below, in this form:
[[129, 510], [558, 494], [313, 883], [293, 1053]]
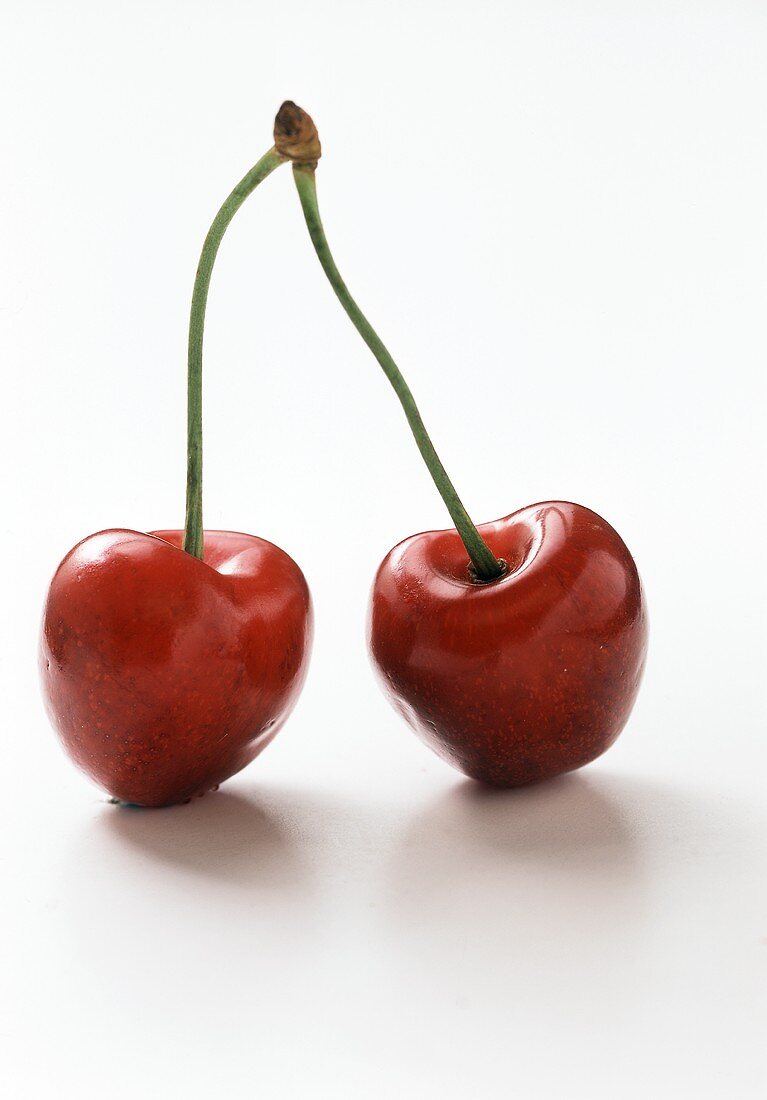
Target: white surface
[[556, 216]]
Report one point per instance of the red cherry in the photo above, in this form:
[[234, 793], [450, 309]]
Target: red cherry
[[527, 676], [164, 674]]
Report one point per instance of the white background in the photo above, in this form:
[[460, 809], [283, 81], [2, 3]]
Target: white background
[[555, 214]]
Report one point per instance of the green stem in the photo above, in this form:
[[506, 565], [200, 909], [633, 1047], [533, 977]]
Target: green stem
[[193, 531], [485, 564]]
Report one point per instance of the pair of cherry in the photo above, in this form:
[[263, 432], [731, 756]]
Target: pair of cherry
[[171, 659]]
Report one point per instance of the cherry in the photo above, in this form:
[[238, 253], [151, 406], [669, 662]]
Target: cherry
[[514, 650], [163, 674], [523, 677], [170, 660]]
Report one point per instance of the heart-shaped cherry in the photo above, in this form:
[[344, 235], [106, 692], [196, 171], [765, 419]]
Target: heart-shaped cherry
[[169, 661], [515, 650], [524, 677], [163, 674]]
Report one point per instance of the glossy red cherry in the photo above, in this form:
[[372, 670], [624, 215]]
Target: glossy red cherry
[[170, 660], [527, 676], [165, 674]]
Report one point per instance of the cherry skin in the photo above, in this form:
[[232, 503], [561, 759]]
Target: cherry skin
[[525, 677], [164, 674]]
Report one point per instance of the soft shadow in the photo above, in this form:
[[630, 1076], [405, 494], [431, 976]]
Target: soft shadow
[[574, 817], [578, 818], [223, 836], [150, 897], [537, 889], [550, 888], [548, 872]]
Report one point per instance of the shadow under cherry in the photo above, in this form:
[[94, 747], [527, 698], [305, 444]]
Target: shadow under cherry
[[223, 836]]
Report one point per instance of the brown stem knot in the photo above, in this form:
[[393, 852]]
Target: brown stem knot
[[295, 135]]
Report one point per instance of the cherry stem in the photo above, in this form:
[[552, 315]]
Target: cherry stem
[[193, 530], [486, 566]]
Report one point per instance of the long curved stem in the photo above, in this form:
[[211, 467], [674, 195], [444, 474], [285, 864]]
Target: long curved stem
[[193, 530], [486, 565]]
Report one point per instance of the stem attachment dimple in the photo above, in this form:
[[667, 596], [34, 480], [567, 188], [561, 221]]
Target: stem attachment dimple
[[484, 564]]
